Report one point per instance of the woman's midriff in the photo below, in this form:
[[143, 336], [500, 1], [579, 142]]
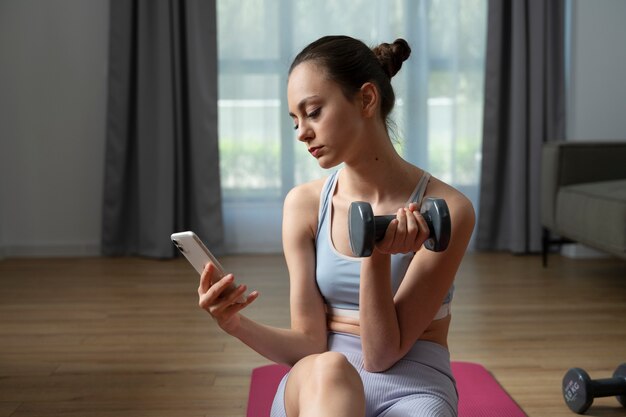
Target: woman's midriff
[[437, 330]]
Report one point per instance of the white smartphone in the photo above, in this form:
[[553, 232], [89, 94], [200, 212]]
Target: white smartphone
[[190, 245]]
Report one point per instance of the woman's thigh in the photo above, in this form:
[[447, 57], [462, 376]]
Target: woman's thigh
[[407, 389], [420, 406]]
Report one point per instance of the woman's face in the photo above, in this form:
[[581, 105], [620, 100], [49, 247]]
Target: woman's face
[[325, 120]]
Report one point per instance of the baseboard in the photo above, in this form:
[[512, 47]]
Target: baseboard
[[578, 251], [50, 250]]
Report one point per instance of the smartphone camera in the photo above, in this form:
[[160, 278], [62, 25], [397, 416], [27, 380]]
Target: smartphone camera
[[178, 245]]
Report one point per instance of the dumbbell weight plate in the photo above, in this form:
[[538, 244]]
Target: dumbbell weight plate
[[575, 383], [361, 228], [437, 215]]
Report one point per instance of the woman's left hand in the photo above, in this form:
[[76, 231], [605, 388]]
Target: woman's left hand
[[406, 233]]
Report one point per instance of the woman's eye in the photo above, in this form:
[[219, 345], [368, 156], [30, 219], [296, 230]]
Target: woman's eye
[[314, 113]]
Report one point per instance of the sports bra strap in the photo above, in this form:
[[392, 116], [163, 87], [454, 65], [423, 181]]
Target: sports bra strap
[[418, 194]]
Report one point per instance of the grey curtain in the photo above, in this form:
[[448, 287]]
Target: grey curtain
[[524, 107], [162, 165]]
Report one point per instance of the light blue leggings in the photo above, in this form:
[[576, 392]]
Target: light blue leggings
[[419, 385]]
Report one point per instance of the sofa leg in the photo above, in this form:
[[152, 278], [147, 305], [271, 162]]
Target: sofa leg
[[547, 242]]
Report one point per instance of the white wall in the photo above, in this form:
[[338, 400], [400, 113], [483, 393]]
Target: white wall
[[596, 93], [596, 104], [53, 57]]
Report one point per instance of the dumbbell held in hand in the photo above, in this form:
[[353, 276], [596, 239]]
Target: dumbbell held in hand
[[365, 229], [579, 390]]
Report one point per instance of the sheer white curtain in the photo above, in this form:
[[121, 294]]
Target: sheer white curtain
[[439, 94]]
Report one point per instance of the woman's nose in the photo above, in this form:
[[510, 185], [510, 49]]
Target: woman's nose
[[305, 133]]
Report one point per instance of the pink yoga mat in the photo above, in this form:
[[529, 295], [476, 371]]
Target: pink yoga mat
[[480, 395]]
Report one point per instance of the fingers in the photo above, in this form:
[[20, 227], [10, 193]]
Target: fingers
[[222, 300], [406, 233], [401, 233], [207, 278], [386, 245], [424, 231], [412, 230], [236, 307], [224, 309], [210, 295]]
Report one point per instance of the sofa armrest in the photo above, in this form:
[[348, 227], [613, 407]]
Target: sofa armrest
[[575, 162]]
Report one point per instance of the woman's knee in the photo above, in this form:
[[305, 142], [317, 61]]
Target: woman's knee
[[331, 368], [324, 370], [322, 365], [316, 381]]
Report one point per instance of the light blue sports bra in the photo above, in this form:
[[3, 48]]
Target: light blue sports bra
[[338, 275]]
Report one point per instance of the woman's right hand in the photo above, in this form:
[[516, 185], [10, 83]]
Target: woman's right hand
[[406, 233], [219, 297]]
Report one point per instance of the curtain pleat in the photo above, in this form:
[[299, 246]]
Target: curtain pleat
[[524, 107], [162, 160]]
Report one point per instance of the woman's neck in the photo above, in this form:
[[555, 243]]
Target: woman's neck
[[377, 173]]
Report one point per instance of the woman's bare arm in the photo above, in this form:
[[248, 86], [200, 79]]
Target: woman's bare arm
[[389, 324], [308, 326]]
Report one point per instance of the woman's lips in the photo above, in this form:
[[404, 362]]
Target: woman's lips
[[315, 150]]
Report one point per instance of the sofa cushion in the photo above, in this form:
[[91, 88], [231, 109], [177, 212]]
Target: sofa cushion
[[575, 162], [594, 214]]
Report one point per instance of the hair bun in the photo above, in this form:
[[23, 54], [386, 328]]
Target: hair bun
[[391, 56]]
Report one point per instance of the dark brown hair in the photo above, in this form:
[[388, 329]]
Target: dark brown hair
[[351, 63]]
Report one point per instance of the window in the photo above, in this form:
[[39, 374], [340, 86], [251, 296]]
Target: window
[[439, 91]]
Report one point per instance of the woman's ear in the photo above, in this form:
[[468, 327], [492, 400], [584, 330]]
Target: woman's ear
[[369, 99]]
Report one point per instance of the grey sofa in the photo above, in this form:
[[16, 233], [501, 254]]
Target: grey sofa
[[583, 195]]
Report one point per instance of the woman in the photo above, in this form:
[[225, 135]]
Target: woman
[[368, 335]]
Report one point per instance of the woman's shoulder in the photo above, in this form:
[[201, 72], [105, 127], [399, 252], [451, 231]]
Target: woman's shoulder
[[301, 207], [460, 205], [306, 195]]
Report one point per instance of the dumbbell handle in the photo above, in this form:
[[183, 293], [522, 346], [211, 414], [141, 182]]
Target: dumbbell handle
[[608, 387], [382, 222]]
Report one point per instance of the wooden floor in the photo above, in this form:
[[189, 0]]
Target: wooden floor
[[124, 337]]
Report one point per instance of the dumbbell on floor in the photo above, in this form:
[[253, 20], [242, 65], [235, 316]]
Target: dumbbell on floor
[[365, 229], [579, 390]]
